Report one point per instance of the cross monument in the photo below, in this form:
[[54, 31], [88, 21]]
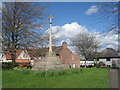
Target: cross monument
[[50, 61], [50, 36]]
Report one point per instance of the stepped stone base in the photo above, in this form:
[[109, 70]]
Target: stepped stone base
[[50, 62]]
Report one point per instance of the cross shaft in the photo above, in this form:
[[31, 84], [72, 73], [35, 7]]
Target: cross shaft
[[50, 36]]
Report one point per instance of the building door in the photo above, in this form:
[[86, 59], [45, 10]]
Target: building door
[[73, 65]]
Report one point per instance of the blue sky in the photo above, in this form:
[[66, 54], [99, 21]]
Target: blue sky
[[73, 18], [68, 12]]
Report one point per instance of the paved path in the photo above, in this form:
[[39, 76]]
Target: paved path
[[119, 80], [113, 78]]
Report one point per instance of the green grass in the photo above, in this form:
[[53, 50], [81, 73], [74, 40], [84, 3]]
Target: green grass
[[89, 78], [119, 70]]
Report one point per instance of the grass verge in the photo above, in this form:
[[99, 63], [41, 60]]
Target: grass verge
[[71, 78]]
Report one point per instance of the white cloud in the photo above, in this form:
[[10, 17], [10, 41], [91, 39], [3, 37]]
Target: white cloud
[[67, 31], [70, 30], [109, 40], [92, 10]]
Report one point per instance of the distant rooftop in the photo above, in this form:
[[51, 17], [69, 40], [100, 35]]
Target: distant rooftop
[[109, 53]]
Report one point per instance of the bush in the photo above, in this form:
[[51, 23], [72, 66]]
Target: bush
[[24, 70], [17, 68], [100, 64], [6, 65], [114, 66]]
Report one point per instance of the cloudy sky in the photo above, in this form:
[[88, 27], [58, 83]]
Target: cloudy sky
[[73, 18]]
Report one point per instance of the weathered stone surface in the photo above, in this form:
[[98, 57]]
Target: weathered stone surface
[[50, 62], [50, 54]]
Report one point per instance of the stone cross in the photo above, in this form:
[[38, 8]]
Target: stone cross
[[50, 36]]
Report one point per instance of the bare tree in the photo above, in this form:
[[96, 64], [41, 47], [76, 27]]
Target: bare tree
[[109, 13], [86, 44], [21, 22]]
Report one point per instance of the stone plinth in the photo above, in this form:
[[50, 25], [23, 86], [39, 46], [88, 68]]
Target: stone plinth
[[50, 62], [50, 54]]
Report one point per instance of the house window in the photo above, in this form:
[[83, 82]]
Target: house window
[[72, 57], [108, 59]]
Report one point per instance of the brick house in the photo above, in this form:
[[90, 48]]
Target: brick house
[[22, 57], [69, 58], [32, 56], [62, 52]]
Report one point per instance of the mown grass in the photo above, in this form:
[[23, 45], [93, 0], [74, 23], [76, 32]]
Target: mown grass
[[71, 78]]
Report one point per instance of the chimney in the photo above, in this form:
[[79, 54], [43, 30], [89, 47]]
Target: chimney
[[64, 44]]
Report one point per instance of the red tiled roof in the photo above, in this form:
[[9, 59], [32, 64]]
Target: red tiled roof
[[18, 52], [8, 56], [34, 52], [22, 60], [42, 51]]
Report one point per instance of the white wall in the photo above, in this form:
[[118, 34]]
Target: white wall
[[24, 55], [6, 60], [87, 63], [110, 62], [115, 58], [105, 61], [2, 57], [117, 61]]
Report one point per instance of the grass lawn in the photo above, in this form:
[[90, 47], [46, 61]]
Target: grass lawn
[[119, 70], [87, 78]]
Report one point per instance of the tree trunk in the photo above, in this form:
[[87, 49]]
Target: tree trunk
[[85, 63], [13, 62], [13, 56]]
